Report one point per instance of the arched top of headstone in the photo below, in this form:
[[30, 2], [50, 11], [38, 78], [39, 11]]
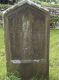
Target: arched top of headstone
[[30, 3]]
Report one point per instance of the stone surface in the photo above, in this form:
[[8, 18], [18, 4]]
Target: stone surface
[[27, 39]]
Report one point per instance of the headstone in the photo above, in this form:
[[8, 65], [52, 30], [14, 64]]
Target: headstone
[[27, 40]]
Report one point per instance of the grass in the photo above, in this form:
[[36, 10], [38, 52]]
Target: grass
[[2, 55], [54, 55]]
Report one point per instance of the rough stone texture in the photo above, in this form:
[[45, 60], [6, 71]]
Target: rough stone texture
[[27, 39]]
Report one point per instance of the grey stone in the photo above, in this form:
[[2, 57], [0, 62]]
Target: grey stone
[[27, 39]]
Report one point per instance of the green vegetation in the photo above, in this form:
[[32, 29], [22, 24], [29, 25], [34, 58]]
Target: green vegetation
[[2, 55], [46, 3], [54, 56], [53, 20], [49, 4], [4, 6]]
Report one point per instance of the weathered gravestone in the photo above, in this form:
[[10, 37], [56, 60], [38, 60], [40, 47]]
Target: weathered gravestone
[[27, 40]]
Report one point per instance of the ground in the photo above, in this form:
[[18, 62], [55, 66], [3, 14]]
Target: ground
[[54, 55], [2, 55]]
